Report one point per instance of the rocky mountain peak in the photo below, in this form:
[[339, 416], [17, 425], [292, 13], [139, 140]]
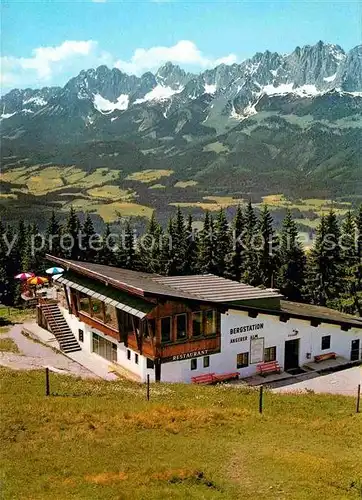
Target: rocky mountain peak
[[171, 75]]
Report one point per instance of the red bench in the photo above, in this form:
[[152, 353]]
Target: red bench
[[208, 378], [268, 367], [213, 378], [222, 377], [323, 357]]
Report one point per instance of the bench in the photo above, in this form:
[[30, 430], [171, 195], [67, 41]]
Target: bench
[[268, 367], [222, 377], [323, 357], [208, 378]]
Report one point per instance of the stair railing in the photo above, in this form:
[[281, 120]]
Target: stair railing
[[48, 312]]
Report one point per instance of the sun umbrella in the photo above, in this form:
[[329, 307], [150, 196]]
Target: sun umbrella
[[24, 276], [55, 270], [37, 280]]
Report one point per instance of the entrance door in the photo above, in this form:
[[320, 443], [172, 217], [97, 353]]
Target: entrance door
[[355, 350], [291, 356]]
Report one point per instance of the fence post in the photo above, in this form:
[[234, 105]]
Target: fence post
[[261, 399], [358, 398], [47, 386], [148, 387]]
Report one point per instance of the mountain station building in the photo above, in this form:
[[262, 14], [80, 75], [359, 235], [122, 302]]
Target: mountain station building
[[174, 328]]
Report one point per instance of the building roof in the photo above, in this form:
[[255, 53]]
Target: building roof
[[216, 289], [206, 288], [323, 314]]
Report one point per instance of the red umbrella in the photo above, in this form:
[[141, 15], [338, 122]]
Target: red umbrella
[[37, 280], [24, 276]]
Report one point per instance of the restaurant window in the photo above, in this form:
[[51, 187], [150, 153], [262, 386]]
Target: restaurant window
[[150, 363], [136, 358], [110, 316], [104, 347], [84, 304], [97, 309], [193, 364], [80, 335], [206, 361], [270, 354], [210, 322], [242, 360], [326, 342], [166, 329], [128, 354], [181, 326], [197, 324]]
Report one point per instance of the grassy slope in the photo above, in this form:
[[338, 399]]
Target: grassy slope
[[104, 440]]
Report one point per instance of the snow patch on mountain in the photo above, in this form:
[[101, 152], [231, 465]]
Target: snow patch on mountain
[[330, 78], [38, 101], [106, 107], [287, 88], [210, 89], [4, 116], [159, 93]]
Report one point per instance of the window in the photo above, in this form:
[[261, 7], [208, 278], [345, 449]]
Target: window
[[210, 322], [206, 361], [97, 309], [197, 324], [80, 335], [104, 347], [270, 354], [110, 316], [181, 326], [128, 354], [84, 304], [125, 322], [326, 342], [166, 329], [150, 363], [136, 359], [193, 364], [242, 360]]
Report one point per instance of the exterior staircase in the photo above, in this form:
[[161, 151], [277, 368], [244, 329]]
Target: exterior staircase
[[59, 327]]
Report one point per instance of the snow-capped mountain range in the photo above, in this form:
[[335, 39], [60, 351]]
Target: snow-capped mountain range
[[233, 90]]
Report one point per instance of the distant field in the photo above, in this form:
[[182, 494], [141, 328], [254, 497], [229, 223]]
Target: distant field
[[110, 192], [215, 203], [96, 440], [150, 175], [110, 211], [185, 184]]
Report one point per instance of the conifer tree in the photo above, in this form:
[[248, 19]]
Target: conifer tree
[[149, 247], [291, 274], [191, 257], [207, 245], [89, 242], [236, 257], [52, 236], [267, 257], [107, 254], [250, 267], [324, 263], [223, 243], [4, 279], [166, 250], [71, 235], [127, 256], [179, 244], [351, 297]]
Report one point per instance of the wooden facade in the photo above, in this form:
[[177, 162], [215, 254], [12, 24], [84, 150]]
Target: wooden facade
[[146, 336]]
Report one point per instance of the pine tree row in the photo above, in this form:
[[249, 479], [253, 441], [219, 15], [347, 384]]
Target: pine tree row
[[247, 250]]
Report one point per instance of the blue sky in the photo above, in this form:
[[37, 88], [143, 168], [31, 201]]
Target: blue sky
[[46, 42]]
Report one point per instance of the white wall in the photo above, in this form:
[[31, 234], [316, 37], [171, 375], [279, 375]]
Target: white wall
[[274, 332]]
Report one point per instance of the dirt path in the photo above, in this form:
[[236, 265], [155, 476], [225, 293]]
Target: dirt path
[[34, 355]]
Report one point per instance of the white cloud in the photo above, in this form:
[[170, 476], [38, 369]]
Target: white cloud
[[47, 63], [184, 52], [55, 65]]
